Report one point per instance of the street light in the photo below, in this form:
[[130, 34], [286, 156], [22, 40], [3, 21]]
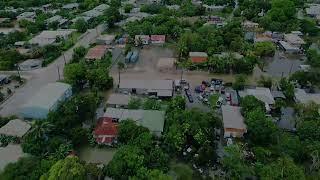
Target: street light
[[18, 70]]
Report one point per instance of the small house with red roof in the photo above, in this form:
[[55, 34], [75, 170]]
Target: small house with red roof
[[158, 39], [97, 53], [106, 131]]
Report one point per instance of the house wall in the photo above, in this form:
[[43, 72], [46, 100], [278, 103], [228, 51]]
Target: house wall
[[232, 132], [198, 59]]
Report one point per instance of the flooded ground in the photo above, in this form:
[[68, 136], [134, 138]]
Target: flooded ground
[[96, 155]]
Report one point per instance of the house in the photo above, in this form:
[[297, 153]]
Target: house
[[287, 119], [105, 39], [288, 48], [47, 7], [198, 57], [29, 16], [173, 7], [302, 97], [97, 53], [278, 95], [294, 40], [158, 39], [215, 20], [118, 100], [262, 94], [10, 154], [6, 31], [151, 119], [313, 10], [106, 131], [71, 6], [141, 40], [213, 8], [263, 37], [250, 26], [45, 100], [16, 128], [62, 22], [233, 121], [30, 64], [159, 88], [50, 37], [166, 64]]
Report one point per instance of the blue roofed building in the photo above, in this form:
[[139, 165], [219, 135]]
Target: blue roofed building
[[46, 99]]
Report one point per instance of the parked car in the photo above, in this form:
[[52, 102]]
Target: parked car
[[189, 96]]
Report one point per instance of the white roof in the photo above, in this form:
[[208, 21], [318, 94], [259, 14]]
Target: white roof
[[198, 54], [288, 46], [118, 99], [302, 97], [261, 93], [48, 95], [314, 9], [146, 84], [10, 154], [70, 6], [107, 37], [232, 117], [49, 37], [16, 128], [293, 39]]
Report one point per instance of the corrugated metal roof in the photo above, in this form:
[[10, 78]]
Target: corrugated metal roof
[[48, 95], [15, 127], [198, 54], [146, 84], [232, 117], [118, 99]]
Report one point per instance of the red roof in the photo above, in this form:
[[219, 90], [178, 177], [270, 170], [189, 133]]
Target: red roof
[[97, 52], [106, 127], [160, 38]]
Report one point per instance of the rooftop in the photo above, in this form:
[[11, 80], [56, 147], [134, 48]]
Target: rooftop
[[16, 128], [48, 95], [71, 6], [261, 93], [97, 52], [10, 154], [146, 84], [232, 117], [107, 127], [118, 99], [293, 39], [198, 54], [151, 119], [302, 97]]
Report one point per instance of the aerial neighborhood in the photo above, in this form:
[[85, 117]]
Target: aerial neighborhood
[[159, 89]]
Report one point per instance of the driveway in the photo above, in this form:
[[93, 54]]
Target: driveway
[[41, 77]]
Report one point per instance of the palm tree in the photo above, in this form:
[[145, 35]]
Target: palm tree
[[41, 128], [121, 66]]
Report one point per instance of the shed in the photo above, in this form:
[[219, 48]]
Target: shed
[[166, 64], [158, 39], [16, 127], [105, 39], [198, 57], [233, 121], [71, 6], [10, 154], [151, 119], [141, 39], [45, 100], [288, 47], [97, 53], [287, 120], [30, 64], [118, 100], [106, 131]]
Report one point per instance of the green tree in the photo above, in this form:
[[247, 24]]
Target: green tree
[[26, 168], [125, 163], [309, 27], [151, 104], [261, 130], [282, 168], [128, 130], [67, 169], [264, 49], [287, 88], [127, 8], [75, 74], [239, 82], [265, 82], [249, 103], [235, 164], [78, 53], [134, 103], [112, 16], [81, 25], [99, 78]]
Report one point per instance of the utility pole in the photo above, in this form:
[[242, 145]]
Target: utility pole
[[64, 58], [58, 72], [18, 70]]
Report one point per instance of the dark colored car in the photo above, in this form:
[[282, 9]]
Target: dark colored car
[[188, 94]]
